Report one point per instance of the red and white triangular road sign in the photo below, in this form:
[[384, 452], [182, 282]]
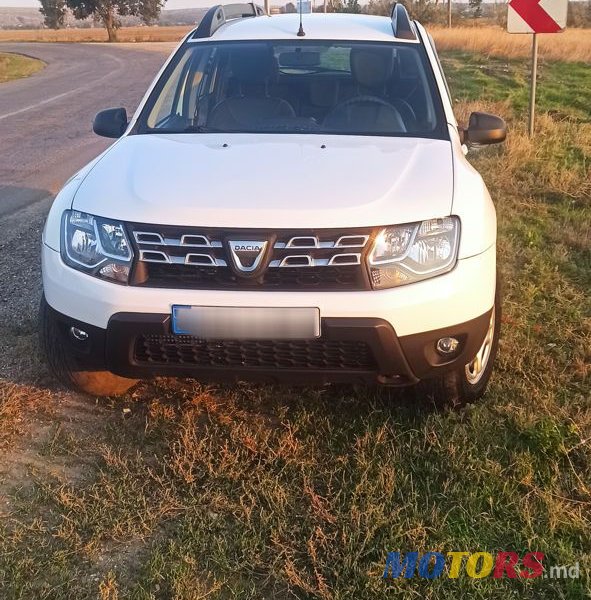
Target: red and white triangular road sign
[[536, 16]]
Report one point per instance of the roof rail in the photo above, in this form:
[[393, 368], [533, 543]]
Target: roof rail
[[401, 24], [218, 15]]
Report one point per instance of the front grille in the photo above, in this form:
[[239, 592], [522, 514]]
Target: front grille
[[191, 258], [185, 276], [271, 354]]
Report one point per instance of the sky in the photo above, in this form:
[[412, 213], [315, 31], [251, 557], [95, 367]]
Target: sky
[[169, 4]]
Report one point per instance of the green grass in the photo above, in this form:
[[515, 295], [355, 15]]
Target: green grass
[[16, 66], [262, 492], [563, 88]]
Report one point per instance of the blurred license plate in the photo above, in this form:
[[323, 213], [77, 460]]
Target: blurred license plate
[[246, 323]]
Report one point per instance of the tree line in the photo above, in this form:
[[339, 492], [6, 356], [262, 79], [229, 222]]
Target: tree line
[[107, 12], [433, 11]]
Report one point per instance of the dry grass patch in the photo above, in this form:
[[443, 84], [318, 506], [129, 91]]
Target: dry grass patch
[[573, 45], [18, 405], [125, 34], [17, 66]]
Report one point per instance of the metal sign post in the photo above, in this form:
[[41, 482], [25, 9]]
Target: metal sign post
[[529, 16], [532, 93]]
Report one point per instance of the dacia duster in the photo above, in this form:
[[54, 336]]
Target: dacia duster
[[290, 202]]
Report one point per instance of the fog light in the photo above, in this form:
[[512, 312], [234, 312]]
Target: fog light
[[447, 345], [78, 334]]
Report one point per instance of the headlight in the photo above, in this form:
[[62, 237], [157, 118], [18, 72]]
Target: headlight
[[407, 253], [96, 246]]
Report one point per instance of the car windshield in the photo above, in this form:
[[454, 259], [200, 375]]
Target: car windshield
[[297, 87]]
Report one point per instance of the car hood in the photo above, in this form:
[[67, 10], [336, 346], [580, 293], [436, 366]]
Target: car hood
[[270, 181]]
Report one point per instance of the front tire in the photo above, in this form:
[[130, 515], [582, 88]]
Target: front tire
[[469, 382], [68, 368]]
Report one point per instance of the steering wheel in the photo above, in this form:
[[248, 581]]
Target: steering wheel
[[406, 112], [339, 111]]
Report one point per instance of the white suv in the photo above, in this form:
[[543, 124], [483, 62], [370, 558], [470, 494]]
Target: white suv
[[287, 204]]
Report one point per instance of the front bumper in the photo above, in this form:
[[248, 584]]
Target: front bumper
[[382, 356], [393, 331]]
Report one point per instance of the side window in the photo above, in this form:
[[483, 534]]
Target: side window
[[202, 78], [180, 96], [440, 67], [167, 104]]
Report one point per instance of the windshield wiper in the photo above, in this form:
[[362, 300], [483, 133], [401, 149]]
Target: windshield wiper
[[200, 129], [189, 129]]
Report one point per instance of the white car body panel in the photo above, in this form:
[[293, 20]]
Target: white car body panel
[[465, 293], [317, 26], [270, 181], [472, 202]]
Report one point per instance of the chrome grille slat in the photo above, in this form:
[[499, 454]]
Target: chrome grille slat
[[350, 259], [204, 244], [337, 259], [363, 238], [344, 241], [294, 260], [153, 238], [293, 244], [202, 260], [153, 256]]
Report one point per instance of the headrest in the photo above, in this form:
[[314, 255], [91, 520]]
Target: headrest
[[253, 63], [324, 92], [372, 67]]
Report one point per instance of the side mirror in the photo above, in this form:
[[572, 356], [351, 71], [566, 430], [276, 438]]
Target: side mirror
[[110, 123], [484, 129]]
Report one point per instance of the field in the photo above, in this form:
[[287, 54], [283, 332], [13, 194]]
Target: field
[[186, 491], [573, 45], [15, 66], [125, 34]]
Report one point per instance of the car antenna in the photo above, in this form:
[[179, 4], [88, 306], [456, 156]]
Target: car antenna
[[301, 32]]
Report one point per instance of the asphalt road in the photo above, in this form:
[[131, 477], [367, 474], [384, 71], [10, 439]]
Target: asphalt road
[[45, 137], [46, 120]]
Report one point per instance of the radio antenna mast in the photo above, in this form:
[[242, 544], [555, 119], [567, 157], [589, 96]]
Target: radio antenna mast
[[301, 32]]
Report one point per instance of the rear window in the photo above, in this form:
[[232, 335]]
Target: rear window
[[297, 87]]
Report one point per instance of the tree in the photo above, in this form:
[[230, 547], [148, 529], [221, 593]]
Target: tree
[[335, 6], [476, 6], [352, 6], [579, 14], [54, 13], [346, 6], [380, 7], [423, 10], [109, 11]]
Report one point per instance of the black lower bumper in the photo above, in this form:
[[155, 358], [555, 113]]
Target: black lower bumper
[[364, 350]]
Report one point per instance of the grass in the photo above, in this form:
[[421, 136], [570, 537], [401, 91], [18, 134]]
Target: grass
[[262, 492], [572, 45], [565, 93], [125, 34], [16, 66]]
